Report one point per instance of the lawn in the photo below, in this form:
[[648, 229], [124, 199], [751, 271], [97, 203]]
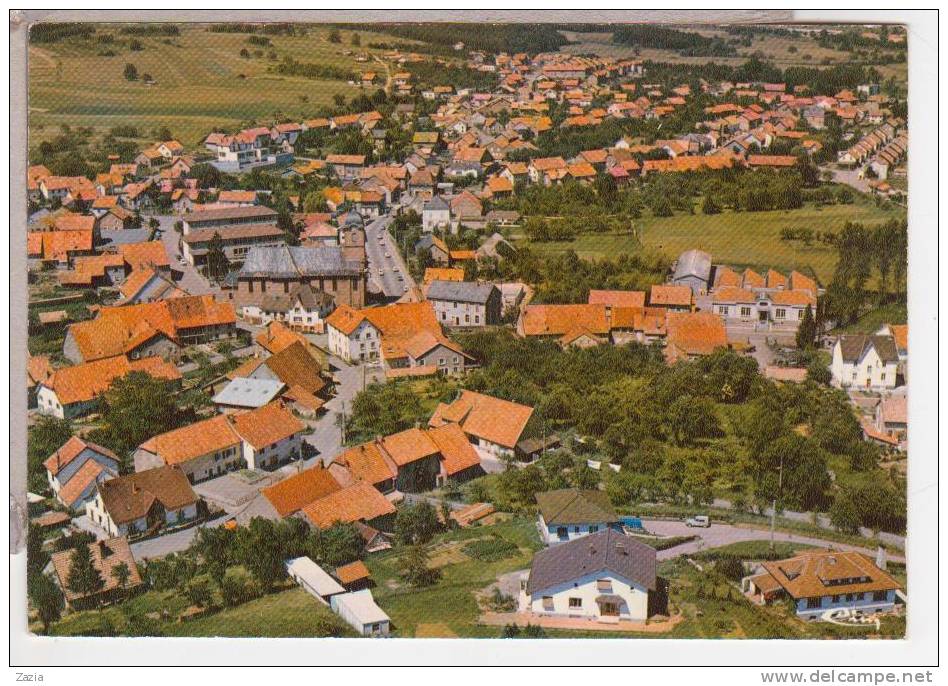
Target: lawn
[[202, 82], [738, 239], [893, 313], [451, 601]]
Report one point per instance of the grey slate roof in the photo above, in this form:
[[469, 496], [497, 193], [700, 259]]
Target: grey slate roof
[[854, 347], [605, 551], [693, 263], [461, 291], [248, 392], [437, 203], [289, 262], [573, 506]]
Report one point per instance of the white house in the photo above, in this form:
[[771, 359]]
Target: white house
[[352, 345], [436, 214], [865, 361], [825, 580], [570, 513], [313, 579], [494, 426], [605, 576], [144, 501], [301, 309], [74, 471], [465, 303], [359, 610]]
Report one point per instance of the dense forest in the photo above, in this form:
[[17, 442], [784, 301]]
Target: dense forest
[[686, 43], [492, 38]]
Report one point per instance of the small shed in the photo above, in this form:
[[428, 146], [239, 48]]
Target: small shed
[[530, 449], [247, 393], [354, 576], [313, 579], [359, 610]]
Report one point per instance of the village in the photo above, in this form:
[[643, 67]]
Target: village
[[362, 372]]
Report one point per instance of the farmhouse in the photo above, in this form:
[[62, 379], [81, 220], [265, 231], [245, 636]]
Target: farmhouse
[[74, 470], [570, 513], [865, 361], [146, 501], [493, 425], [465, 303], [106, 556]]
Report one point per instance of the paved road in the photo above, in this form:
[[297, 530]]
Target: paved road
[[191, 280], [849, 177], [718, 535], [326, 436], [171, 543], [382, 253]]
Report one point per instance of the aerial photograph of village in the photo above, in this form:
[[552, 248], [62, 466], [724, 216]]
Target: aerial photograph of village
[[437, 330]]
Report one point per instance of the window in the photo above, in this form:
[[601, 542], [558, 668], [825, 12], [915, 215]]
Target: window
[[575, 602], [879, 596], [477, 319], [745, 311], [722, 309], [812, 603], [799, 314], [604, 585], [882, 376], [593, 529], [780, 313], [836, 598]]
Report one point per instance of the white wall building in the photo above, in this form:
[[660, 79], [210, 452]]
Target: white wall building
[[865, 362]]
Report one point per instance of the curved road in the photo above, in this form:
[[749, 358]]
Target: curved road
[[718, 535]]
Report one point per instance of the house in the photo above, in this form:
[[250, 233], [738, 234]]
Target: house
[[149, 284], [436, 214], [262, 438], [891, 418], [247, 394], [354, 576], [824, 580], [273, 271], [293, 373], [235, 242], [358, 502], [466, 206], [899, 332], [142, 502], [360, 611], [693, 334], [570, 513], [862, 361], [75, 391], [493, 425], [157, 328], [672, 298], [402, 335], [443, 274], [226, 218], [693, 269], [465, 303], [312, 579], [75, 469], [106, 556], [615, 299], [301, 309], [346, 167], [291, 495], [605, 577]]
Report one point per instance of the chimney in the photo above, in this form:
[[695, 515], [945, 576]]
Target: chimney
[[880, 557]]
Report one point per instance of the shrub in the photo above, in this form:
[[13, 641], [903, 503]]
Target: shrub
[[236, 590], [730, 567]]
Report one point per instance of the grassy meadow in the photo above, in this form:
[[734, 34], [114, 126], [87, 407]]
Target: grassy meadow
[[736, 238], [202, 82]]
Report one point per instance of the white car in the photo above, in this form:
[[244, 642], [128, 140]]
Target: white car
[[700, 521], [388, 254]]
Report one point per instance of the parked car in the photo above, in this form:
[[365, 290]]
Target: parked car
[[702, 521]]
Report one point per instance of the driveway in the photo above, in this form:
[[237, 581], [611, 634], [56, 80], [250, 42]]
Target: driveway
[[849, 177], [171, 543]]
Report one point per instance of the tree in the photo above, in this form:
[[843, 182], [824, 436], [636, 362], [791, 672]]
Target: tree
[[83, 578], [121, 573], [709, 206], [217, 263], [806, 332], [130, 72], [213, 545], [45, 437], [335, 36], [135, 408], [356, 40], [338, 544], [48, 600], [36, 557], [690, 419], [245, 53], [416, 523], [415, 568], [153, 223], [818, 372], [199, 593], [257, 548]]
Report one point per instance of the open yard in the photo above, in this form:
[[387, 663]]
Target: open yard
[[735, 238], [202, 82]]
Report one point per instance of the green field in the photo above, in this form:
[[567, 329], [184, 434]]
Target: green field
[[198, 84], [735, 238]]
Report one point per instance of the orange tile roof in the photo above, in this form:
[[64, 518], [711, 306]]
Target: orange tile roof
[[753, 280], [555, 320], [298, 491], [277, 337], [483, 416], [408, 446], [900, 334], [775, 279], [771, 160], [70, 450], [355, 503], [733, 294], [457, 453], [366, 463], [192, 441], [727, 277], [543, 164], [801, 282], [84, 382], [87, 475], [117, 552], [695, 333], [670, 295], [685, 164], [617, 298], [798, 298], [822, 573], [266, 425], [354, 571], [70, 221], [443, 274], [56, 245]]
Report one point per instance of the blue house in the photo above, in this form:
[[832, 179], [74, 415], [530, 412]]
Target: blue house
[[570, 513]]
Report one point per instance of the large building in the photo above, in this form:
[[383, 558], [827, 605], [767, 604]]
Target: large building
[[149, 500], [269, 271], [866, 362], [465, 303], [238, 228]]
